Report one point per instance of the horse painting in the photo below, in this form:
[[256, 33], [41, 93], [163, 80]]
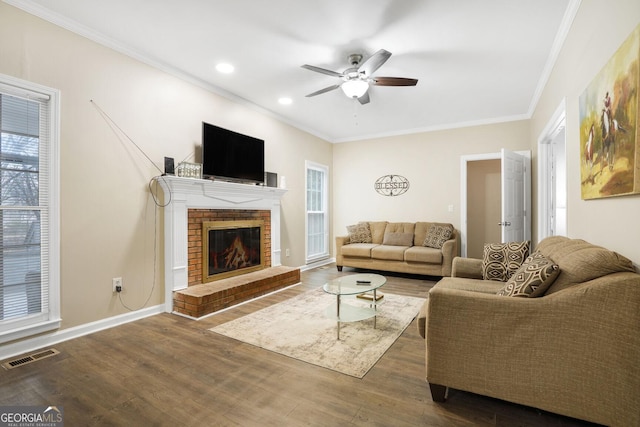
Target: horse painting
[[609, 119]]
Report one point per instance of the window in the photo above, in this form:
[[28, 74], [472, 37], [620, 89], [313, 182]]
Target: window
[[29, 248], [317, 211]]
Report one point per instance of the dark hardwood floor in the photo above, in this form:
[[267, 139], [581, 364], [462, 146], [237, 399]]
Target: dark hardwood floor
[[169, 370]]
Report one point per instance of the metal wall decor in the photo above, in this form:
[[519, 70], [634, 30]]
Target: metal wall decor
[[391, 185]]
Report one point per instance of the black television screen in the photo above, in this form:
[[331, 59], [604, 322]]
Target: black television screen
[[231, 155]]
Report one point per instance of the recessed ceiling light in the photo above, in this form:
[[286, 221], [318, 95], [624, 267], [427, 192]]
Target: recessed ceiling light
[[224, 68], [285, 101]]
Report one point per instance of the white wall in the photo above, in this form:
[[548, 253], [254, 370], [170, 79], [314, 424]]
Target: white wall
[[598, 30], [108, 219], [431, 163]]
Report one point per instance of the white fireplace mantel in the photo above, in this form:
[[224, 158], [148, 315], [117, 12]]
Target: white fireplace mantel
[[182, 194]]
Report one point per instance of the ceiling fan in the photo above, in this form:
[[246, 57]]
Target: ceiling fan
[[357, 78]]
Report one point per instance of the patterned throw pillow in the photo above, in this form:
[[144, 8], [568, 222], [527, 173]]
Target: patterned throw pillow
[[359, 233], [532, 279], [501, 260], [437, 235]]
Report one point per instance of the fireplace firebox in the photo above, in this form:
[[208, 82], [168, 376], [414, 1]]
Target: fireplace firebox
[[231, 248]]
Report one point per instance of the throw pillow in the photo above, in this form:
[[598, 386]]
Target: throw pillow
[[359, 233], [501, 260], [437, 235], [532, 279], [398, 239]]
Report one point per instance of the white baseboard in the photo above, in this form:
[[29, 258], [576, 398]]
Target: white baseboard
[[32, 344]]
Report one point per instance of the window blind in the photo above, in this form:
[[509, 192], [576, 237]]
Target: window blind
[[24, 163]]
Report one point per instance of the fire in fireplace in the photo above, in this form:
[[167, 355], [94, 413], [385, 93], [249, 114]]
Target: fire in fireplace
[[231, 248]]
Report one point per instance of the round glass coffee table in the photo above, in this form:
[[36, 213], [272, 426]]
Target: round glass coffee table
[[365, 287]]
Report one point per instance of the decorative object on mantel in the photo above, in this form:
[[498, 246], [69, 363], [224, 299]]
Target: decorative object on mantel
[[189, 170], [297, 328], [609, 145], [283, 182], [391, 185]]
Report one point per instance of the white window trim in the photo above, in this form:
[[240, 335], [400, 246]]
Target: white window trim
[[313, 165], [20, 87], [555, 125]]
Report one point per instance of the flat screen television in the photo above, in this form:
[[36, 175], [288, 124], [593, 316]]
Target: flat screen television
[[231, 155]]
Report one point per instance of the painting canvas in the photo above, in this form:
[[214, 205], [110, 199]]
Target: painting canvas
[[609, 135]]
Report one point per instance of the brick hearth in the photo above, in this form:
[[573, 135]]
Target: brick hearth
[[199, 300]]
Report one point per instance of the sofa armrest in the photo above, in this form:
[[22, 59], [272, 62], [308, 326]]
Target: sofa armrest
[[340, 242], [545, 352], [470, 268], [449, 252]]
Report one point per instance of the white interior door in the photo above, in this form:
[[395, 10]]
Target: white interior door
[[516, 197]]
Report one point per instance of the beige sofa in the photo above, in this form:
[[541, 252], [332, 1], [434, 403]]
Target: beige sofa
[[399, 247], [574, 351]]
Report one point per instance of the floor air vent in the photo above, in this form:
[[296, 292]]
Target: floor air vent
[[21, 361]]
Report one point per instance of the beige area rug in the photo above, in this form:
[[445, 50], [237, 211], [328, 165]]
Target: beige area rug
[[299, 328]]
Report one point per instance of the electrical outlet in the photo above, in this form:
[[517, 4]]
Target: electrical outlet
[[287, 252], [117, 284]]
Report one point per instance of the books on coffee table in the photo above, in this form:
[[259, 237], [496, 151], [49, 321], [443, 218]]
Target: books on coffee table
[[369, 296]]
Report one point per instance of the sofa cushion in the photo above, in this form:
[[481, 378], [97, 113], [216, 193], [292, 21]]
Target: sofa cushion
[[423, 254], [400, 227], [532, 279], [580, 261], [398, 239], [358, 249], [377, 231], [390, 253], [359, 233], [474, 285], [501, 260], [437, 235]]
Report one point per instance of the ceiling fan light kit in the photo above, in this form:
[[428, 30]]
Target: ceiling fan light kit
[[357, 78], [354, 88]]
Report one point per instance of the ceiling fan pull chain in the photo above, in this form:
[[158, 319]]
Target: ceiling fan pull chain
[[355, 111]]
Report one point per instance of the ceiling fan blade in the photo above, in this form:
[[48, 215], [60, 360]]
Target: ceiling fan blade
[[322, 70], [321, 91], [394, 81], [364, 99], [374, 62]]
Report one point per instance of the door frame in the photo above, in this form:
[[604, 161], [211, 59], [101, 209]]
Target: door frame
[[464, 160]]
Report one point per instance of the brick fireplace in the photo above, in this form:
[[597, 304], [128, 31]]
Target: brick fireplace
[[192, 201], [196, 244]]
